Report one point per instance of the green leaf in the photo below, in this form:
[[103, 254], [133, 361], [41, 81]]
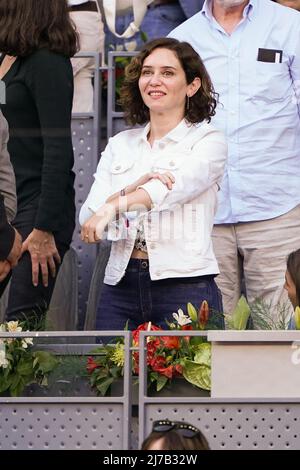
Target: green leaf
[[144, 36], [24, 367], [15, 379], [104, 385], [241, 314], [16, 391], [5, 383], [297, 318], [116, 371], [161, 382], [196, 340], [100, 375], [44, 381], [203, 354], [46, 361], [197, 374], [192, 312]]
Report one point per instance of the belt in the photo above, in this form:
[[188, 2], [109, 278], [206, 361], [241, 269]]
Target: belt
[[158, 3], [88, 6]]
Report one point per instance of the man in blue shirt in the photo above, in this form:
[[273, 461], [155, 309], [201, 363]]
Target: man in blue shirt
[[252, 52]]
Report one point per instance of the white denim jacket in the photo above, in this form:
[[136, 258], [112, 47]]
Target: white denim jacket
[[178, 227]]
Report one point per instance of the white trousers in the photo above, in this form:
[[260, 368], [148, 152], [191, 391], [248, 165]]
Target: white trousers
[[259, 249], [89, 26]]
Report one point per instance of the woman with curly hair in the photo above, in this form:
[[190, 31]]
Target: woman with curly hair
[[37, 40], [155, 191]]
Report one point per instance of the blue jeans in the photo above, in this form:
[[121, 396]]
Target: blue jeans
[[137, 299]]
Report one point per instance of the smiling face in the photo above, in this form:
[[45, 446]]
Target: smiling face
[[163, 84]]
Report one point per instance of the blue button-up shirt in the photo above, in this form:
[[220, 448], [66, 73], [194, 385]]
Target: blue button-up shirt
[[258, 109]]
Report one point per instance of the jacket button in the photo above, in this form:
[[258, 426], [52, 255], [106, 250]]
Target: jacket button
[[158, 273], [172, 163], [118, 167], [152, 246]]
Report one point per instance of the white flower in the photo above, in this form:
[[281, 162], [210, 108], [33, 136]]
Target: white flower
[[3, 360], [12, 327], [26, 342], [181, 318], [131, 45]]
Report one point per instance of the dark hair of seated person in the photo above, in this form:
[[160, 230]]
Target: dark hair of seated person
[[29, 25], [175, 435]]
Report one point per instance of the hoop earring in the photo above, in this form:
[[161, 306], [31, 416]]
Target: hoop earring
[[187, 102]]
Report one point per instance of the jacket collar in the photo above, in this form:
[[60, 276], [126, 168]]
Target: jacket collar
[[248, 10], [175, 135]]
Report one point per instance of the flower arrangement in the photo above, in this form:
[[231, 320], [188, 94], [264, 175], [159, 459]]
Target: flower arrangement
[[167, 356], [20, 364]]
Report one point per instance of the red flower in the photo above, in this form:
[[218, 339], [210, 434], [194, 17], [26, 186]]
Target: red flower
[[157, 362], [203, 314], [178, 369], [91, 365], [170, 342], [152, 344], [143, 327], [186, 327], [158, 365]]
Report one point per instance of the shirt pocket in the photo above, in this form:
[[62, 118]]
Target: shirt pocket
[[122, 174], [171, 162], [272, 81]]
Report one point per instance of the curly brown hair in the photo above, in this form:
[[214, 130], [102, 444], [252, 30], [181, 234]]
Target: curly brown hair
[[202, 104], [29, 25], [293, 267]]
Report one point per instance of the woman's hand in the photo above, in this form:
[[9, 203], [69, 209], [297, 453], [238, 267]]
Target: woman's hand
[[166, 178], [92, 230], [43, 252], [5, 267]]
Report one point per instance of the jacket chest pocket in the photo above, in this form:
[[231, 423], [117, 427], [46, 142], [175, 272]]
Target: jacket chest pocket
[[122, 173], [172, 162]]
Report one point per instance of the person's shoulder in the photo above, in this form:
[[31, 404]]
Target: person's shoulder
[[46, 56], [187, 26], [206, 129], [127, 136], [276, 11]]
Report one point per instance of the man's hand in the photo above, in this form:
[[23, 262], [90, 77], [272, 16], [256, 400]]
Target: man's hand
[[5, 267], [16, 250], [42, 248]]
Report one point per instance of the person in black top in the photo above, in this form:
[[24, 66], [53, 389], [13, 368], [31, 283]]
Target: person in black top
[[37, 40]]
